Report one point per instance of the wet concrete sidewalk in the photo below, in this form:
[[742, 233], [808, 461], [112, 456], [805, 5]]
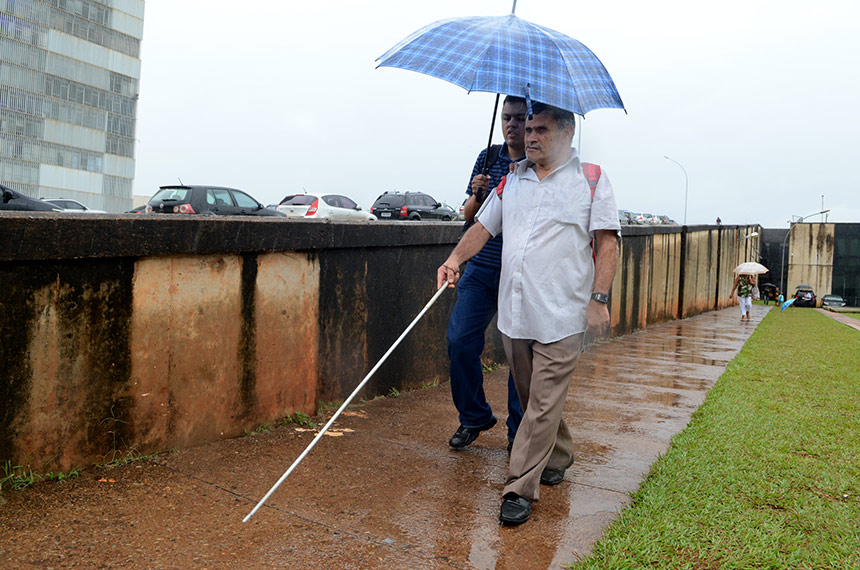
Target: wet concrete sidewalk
[[385, 491], [842, 318]]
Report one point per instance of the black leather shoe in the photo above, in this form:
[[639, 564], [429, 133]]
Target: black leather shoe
[[552, 477], [515, 509], [464, 436]]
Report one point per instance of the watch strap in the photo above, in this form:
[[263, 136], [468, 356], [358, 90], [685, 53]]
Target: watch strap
[[600, 297]]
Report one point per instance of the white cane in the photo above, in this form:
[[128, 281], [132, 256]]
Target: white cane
[[346, 403]]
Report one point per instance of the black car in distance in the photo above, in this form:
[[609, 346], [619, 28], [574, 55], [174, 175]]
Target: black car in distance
[[211, 200], [804, 296], [15, 201], [411, 206]]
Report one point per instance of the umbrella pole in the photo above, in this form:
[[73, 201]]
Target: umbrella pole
[[346, 403], [490, 140]]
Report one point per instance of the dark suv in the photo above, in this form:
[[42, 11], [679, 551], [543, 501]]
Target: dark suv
[[410, 206], [805, 296], [206, 200]]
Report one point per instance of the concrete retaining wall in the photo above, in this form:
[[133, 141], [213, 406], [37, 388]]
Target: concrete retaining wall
[[147, 333], [810, 258]]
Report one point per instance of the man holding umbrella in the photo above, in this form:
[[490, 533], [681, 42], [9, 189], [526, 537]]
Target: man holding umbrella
[[478, 291], [550, 293]]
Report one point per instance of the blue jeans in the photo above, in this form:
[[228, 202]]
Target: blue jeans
[[477, 296]]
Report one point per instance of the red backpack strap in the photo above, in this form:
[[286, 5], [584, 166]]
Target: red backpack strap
[[592, 175], [501, 187]]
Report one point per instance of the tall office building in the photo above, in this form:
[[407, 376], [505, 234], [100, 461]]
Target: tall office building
[[69, 74]]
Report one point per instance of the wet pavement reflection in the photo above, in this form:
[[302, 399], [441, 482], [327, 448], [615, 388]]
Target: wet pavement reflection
[[388, 492]]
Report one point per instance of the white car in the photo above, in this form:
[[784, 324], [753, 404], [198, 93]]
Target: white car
[[327, 207], [646, 218], [68, 205]]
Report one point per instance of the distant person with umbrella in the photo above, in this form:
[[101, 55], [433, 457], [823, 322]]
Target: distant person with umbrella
[[744, 285], [551, 291], [478, 291], [768, 292]]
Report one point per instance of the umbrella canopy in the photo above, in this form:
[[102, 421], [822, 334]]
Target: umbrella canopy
[[787, 303], [751, 268], [508, 55], [767, 285]]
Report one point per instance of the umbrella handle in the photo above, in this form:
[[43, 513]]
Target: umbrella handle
[[486, 167]]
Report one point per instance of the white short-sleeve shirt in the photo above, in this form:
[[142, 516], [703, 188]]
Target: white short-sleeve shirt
[[547, 266]]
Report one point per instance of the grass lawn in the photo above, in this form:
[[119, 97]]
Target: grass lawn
[[767, 474]]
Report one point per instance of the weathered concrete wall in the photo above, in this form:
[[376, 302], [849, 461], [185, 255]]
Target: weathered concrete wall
[[211, 339], [66, 363], [647, 279], [153, 332], [810, 258]]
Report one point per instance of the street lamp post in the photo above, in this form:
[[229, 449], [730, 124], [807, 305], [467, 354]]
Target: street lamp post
[[686, 186], [788, 233], [746, 241]]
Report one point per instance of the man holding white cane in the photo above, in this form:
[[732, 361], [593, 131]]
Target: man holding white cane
[[551, 291]]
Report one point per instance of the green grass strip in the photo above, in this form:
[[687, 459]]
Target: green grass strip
[[767, 474]]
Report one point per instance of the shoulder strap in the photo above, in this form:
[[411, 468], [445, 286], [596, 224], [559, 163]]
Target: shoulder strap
[[491, 157], [592, 174], [501, 187]]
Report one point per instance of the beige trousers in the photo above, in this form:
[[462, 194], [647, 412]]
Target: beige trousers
[[542, 374]]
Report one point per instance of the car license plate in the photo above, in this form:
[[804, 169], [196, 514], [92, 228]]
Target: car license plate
[[385, 214]]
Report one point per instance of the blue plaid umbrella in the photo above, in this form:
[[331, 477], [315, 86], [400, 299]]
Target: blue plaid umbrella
[[511, 56]]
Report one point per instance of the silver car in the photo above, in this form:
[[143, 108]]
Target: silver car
[[73, 206], [833, 301], [327, 207]]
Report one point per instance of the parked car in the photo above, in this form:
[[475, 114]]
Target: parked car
[[410, 206], [68, 205], [461, 213], [805, 296], [625, 217], [667, 221], [448, 212], [832, 300], [13, 200], [328, 207], [216, 200]]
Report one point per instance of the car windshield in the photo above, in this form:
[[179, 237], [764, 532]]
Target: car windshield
[[171, 195], [832, 298], [298, 200]]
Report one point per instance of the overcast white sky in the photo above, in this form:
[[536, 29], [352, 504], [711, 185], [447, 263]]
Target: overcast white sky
[[756, 99]]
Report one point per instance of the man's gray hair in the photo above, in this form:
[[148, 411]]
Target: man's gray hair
[[562, 118]]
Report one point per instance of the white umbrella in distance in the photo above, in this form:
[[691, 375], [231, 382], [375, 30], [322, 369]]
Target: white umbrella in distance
[[751, 268]]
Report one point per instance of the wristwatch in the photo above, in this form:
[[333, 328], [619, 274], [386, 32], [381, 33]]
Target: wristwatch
[[600, 297]]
